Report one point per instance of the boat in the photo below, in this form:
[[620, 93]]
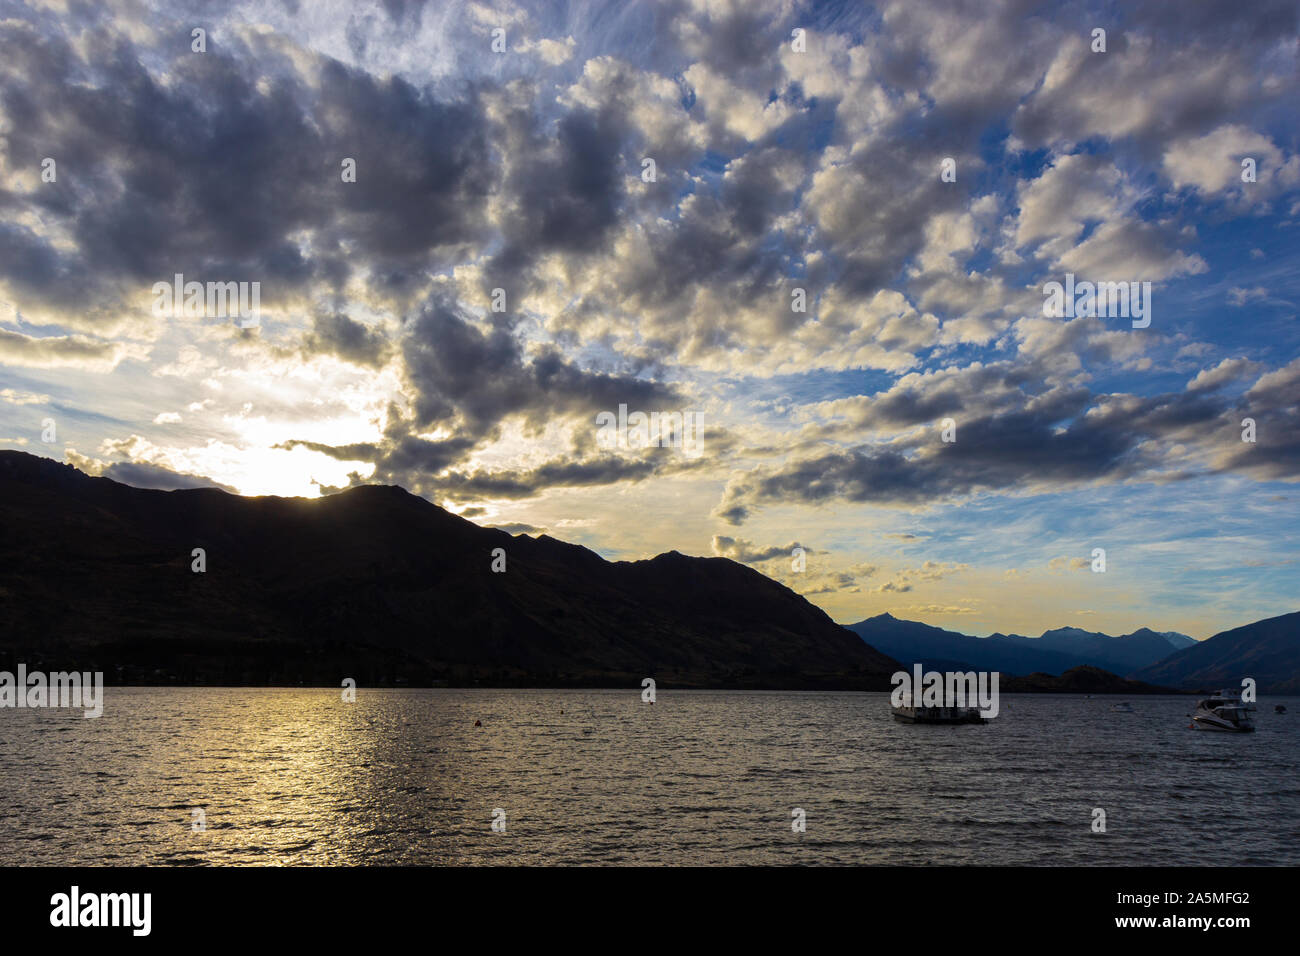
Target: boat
[[1224, 712], [909, 714], [1123, 707], [1279, 709]]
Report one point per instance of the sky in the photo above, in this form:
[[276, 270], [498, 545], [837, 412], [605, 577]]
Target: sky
[[823, 234]]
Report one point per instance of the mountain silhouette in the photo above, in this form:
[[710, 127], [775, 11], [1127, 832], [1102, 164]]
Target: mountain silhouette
[[380, 586], [1120, 655], [1267, 651], [913, 642], [1054, 653]]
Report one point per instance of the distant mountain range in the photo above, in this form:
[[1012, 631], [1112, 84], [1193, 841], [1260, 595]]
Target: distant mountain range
[[1055, 652], [1268, 651], [380, 586]]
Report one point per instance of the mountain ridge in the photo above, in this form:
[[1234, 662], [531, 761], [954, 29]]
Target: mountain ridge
[[1137, 656], [1267, 650], [380, 585]]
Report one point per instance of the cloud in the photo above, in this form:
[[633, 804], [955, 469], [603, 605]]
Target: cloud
[[475, 377], [526, 483], [142, 474], [217, 166], [938, 609], [1144, 88], [343, 337], [1227, 371], [552, 52], [1061, 438], [738, 549], [1073, 191], [19, 397], [1069, 564], [1238, 296], [518, 527], [1273, 402], [905, 579], [1213, 163], [64, 351]]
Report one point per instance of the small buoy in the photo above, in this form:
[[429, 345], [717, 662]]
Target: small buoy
[[478, 723]]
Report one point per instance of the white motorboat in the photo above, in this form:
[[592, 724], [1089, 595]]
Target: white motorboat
[[1226, 712], [1123, 707]]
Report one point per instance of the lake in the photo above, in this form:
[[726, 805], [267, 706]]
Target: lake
[[297, 776]]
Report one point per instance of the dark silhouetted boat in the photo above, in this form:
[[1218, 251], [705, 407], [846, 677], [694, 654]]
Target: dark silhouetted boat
[[910, 714]]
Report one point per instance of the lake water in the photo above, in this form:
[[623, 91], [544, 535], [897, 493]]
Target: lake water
[[597, 777]]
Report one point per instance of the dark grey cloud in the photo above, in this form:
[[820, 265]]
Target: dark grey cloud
[[421, 466], [525, 483], [564, 189], [424, 168], [470, 378], [201, 173], [746, 552], [1273, 403], [401, 458], [737, 39], [144, 474], [220, 169], [461, 373], [334, 333], [893, 187], [723, 241], [1170, 70], [217, 171], [1059, 439]]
